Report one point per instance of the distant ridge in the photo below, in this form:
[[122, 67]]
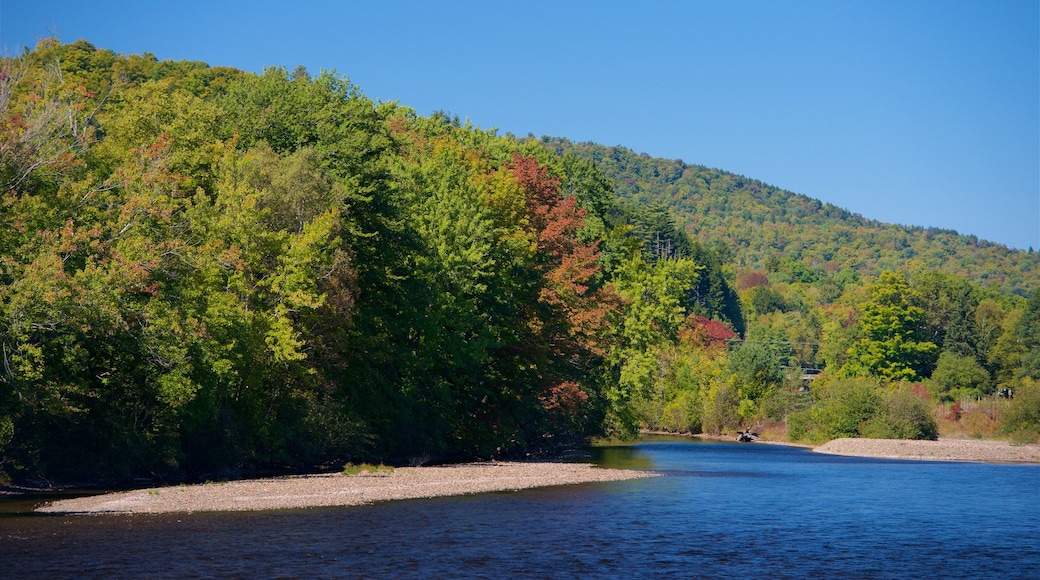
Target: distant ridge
[[763, 223]]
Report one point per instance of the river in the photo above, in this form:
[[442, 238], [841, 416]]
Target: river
[[721, 510]]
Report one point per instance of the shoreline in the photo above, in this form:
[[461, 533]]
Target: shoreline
[[970, 450], [333, 490], [945, 449], [337, 489]]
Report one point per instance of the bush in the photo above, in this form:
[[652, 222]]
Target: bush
[[845, 406], [861, 408], [721, 408], [958, 377], [782, 402], [1022, 414], [907, 416], [800, 424], [682, 414]]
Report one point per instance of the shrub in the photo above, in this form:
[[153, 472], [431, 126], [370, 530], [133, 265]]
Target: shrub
[[1022, 414], [845, 406], [861, 408], [799, 424], [782, 402], [959, 377], [721, 408], [904, 416], [682, 414]]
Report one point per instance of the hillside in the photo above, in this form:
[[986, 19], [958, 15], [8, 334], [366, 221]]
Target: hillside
[[206, 272], [763, 223]]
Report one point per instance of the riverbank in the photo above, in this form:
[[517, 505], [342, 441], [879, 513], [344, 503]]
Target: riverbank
[[941, 450], [945, 449], [342, 490]]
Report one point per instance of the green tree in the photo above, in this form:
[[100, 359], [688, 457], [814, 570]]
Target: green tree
[[949, 303], [757, 373], [989, 321], [958, 377], [1022, 415], [893, 346], [1028, 330], [765, 300], [1007, 352], [653, 317], [845, 406]]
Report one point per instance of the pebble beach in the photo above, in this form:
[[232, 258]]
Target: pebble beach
[[941, 450], [342, 490], [426, 482]]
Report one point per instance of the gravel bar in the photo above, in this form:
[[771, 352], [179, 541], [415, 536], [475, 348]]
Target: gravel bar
[[941, 450], [342, 490]]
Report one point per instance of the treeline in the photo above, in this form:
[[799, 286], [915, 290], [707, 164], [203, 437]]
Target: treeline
[[897, 357], [205, 271], [881, 310]]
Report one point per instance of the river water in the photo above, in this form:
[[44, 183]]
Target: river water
[[721, 510]]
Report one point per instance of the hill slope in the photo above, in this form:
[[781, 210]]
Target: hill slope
[[764, 224]]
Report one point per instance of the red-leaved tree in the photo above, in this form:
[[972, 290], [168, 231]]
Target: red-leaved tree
[[573, 307]]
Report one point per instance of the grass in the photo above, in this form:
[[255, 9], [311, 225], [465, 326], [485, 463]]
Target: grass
[[367, 469]]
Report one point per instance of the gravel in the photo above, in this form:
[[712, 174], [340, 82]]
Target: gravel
[[342, 490], [426, 482], [941, 450]]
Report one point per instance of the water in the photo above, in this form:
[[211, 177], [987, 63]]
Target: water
[[722, 510]]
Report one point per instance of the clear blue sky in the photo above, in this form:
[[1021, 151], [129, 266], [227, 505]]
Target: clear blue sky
[[914, 112]]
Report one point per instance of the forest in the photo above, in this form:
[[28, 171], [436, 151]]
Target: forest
[[206, 273]]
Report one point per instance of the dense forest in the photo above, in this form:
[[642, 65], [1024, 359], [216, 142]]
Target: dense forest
[[206, 272], [762, 224]]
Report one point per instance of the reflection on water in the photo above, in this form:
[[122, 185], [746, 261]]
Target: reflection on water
[[22, 506], [621, 457], [723, 509]]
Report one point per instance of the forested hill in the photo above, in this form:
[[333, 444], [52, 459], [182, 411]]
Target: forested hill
[[764, 224], [206, 272]]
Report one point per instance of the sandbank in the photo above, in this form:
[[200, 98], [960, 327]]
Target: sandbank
[[342, 490], [942, 450]]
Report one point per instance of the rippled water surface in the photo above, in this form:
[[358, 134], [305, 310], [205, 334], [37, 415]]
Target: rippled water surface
[[721, 510]]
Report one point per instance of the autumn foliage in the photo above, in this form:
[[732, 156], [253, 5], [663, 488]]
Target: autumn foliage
[[207, 271]]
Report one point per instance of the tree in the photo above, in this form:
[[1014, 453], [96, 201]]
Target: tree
[[703, 333], [1006, 355], [893, 346], [989, 322], [1028, 330], [845, 406], [575, 307], [949, 303], [713, 296], [958, 377], [765, 299], [653, 316], [757, 372], [839, 331]]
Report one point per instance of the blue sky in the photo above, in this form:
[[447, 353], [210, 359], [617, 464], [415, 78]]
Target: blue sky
[[915, 112]]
